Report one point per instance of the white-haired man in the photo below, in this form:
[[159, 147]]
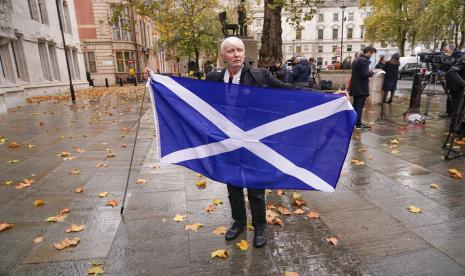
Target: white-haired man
[[240, 72]]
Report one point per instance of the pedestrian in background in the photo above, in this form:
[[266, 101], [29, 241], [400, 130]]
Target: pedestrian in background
[[359, 83], [301, 72], [381, 62], [346, 64], [390, 78]]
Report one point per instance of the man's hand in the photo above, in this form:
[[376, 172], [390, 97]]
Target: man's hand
[[147, 72]]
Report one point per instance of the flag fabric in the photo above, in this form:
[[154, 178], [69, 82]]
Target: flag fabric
[[252, 137]]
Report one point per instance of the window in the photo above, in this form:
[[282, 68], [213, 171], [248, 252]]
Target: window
[[76, 64], [362, 31], [43, 11], [298, 49], [335, 33], [350, 33], [70, 60], [320, 49], [8, 70], [335, 16], [298, 34], [334, 48], [306, 48], [91, 62], [124, 61], [121, 28], [320, 34], [319, 61], [349, 48], [258, 22], [351, 16], [66, 17], [33, 10], [44, 60], [320, 17], [361, 47], [19, 59], [54, 61]]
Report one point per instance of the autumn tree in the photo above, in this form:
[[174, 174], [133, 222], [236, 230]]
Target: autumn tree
[[443, 20], [393, 21], [298, 11]]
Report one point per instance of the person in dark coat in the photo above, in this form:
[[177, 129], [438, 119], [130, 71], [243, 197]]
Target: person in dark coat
[[279, 71], [381, 62], [239, 72], [390, 78], [301, 72], [359, 83]]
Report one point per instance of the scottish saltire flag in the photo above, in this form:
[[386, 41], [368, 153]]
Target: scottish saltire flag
[[250, 136]]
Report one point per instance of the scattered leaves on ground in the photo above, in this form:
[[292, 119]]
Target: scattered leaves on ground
[[434, 186], [67, 243], [455, 173], [270, 216], [357, 162], [38, 202], [210, 208], [395, 151], [414, 209], [193, 227], [250, 227], [220, 230], [65, 211], [221, 253], [243, 245], [313, 215], [179, 217], [38, 239], [201, 183], [284, 211], [142, 181], [57, 218], [79, 189], [74, 172], [78, 150], [112, 202], [103, 194], [13, 145], [299, 202], [333, 240], [298, 211], [270, 206], [64, 154], [5, 225], [296, 196], [24, 184], [8, 182], [95, 270], [290, 273], [394, 141], [13, 161], [280, 192], [362, 150], [75, 228], [102, 165], [278, 221]]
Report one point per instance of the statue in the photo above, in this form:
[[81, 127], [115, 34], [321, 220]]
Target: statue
[[226, 26], [242, 17]]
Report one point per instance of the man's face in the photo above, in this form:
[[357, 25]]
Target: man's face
[[233, 55], [448, 51], [369, 54]]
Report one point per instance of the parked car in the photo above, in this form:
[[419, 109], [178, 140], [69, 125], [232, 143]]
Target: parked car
[[410, 69]]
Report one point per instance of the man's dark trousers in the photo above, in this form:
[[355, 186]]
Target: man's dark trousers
[[257, 206], [359, 104]]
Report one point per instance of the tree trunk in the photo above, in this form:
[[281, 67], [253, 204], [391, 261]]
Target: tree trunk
[[271, 51], [197, 56], [402, 46], [462, 39]]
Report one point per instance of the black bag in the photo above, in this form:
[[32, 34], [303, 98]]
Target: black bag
[[326, 85]]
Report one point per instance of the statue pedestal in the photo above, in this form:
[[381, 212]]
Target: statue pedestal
[[251, 51]]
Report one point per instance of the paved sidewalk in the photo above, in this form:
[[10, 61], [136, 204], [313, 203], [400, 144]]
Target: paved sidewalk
[[368, 212]]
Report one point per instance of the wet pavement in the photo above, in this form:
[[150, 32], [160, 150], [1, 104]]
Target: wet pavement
[[367, 213]]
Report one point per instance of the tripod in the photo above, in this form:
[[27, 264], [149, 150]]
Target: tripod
[[382, 115], [454, 131]]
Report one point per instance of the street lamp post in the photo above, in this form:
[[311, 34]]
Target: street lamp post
[[343, 7], [293, 47]]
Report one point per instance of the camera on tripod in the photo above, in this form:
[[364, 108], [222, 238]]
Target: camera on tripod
[[435, 59]]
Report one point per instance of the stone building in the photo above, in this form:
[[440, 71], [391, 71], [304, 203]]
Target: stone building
[[320, 37], [32, 54], [122, 50]]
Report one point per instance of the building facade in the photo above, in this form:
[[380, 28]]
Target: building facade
[[320, 37], [32, 53], [121, 50]]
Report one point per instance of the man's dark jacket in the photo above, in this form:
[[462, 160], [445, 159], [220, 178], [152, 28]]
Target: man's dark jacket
[[252, 76], [301, 72], [360, 76]]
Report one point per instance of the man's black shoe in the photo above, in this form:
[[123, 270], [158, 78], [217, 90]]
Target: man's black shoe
[[259, 238], [233, 232], [362, 126]]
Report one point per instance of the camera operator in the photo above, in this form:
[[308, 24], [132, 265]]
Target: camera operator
[[450, 51], [455, 78]]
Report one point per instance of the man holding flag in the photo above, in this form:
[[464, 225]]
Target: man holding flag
[[237, 131], [238, 72]]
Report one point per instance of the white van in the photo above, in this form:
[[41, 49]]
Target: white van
[[405, 60]]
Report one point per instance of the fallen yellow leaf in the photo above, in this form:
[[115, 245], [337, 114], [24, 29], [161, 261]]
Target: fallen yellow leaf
[[13, 145], [313, 215], [290, 273], [8, 182], [299, 202], [243, 245], [395, 141], [66, 243], [217, 202], [38, 202], [270, 216], [298, 211], [455, 173], [102, 165], [79, 189], [13, 161], [362, 150], [199, 175], [210, 208], [221, 253], [65, 211], [95, 270], [357, 162], [179, 217], [5, 225], [220, 230], [112, 202], [103, 194], [434, 186], [395, 151], [414, 209], [141, 181], [79, 150], [270, 206], [333, 240], [74, 172], [277, 221], [284, 211], [57, 218], [64, 154], [201, 183], [75, 228], [280, 192], [38, 239], [193, 227], [296, 195], [250, 227]]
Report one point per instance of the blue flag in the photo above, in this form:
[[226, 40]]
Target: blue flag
[[251, 136]]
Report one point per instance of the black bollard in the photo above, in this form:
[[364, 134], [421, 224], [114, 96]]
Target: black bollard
[[106, 82], [135, 81], [120, 81]]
